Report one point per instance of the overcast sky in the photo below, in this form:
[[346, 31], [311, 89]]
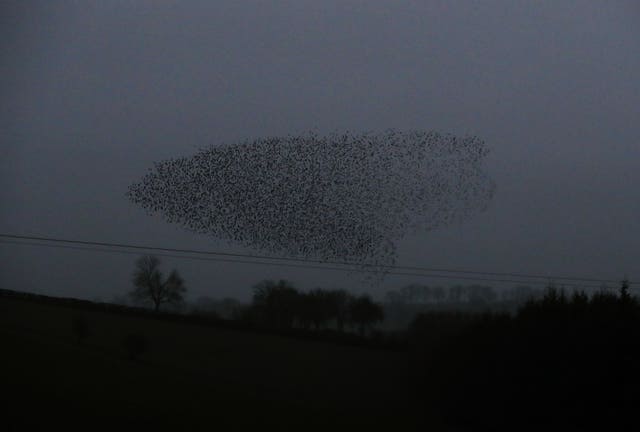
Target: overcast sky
[[92, 93]]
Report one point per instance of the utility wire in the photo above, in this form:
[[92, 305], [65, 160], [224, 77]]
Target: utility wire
[[303, 260], [305, 266]]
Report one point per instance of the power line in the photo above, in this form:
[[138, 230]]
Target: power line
[[239, 255], [305, 266], [304, 260]]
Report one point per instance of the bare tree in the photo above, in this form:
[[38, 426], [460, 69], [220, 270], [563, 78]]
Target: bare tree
[[364, 313], [339, 306], [149, 283], [276, 303]]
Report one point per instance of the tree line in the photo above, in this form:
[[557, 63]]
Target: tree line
[[279, 305], [564, 359], [469, 294], [275, 304]]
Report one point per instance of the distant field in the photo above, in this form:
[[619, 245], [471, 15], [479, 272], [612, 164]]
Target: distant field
[[192, 374]]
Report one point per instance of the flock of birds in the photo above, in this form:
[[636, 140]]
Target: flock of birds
[[341, 197]]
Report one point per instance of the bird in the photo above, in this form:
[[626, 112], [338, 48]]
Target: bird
[[339, 197]]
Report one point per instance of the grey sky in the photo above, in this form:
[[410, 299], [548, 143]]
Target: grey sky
[[92, 93]]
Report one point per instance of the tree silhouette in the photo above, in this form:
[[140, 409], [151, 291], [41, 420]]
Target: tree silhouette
[[276, 303], [456, 293], [320, 307], [576, 352], [150, 286], [363, 313], [624, 290], [338, 304], [480, 294], [438, 294]]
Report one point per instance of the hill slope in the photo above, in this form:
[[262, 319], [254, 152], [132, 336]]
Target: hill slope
[[194, 374]]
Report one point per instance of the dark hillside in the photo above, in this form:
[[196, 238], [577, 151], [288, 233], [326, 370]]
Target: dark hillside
[[188, 372], [567, 363]]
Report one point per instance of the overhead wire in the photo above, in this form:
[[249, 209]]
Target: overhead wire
[[119, 249], [304, 260]]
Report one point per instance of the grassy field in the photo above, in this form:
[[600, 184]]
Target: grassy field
[[192, 375]]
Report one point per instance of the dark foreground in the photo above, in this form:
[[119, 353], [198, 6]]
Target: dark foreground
[[561, 363], [188, 375]]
